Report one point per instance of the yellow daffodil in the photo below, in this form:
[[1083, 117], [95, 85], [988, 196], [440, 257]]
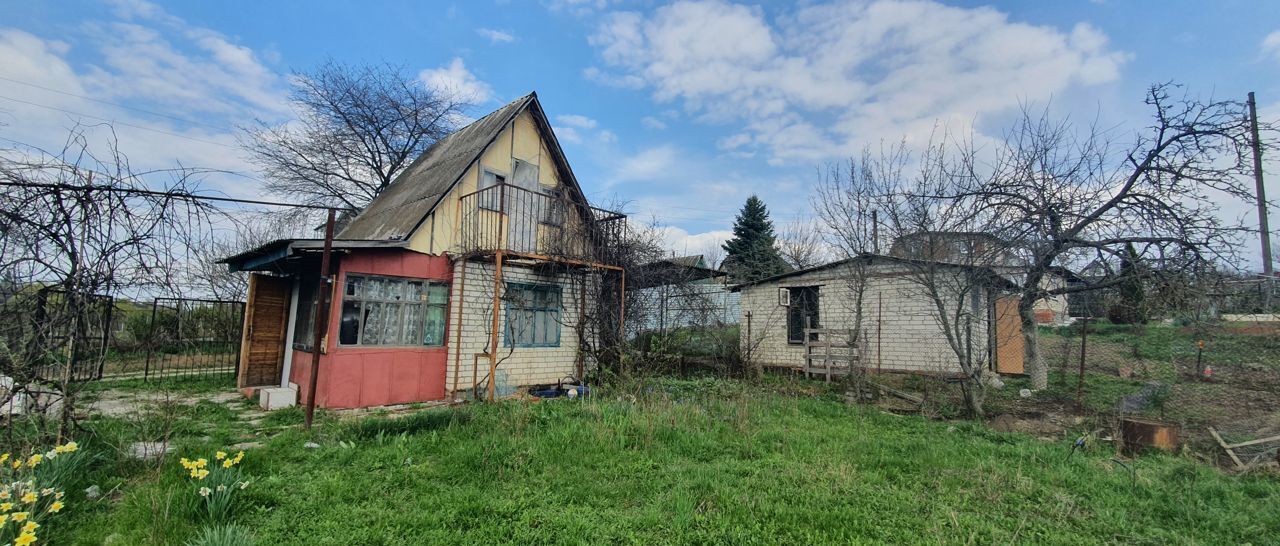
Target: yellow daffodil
[[67, 447], [25, 539], [30, 497], [220, 455], [228, 463], [19, 516], [34, 459], [200, 474], [4, 518], [17, 463], [185, 462], [4, 458], [30, 527], [6, 506], [56, 506], [202, 462]]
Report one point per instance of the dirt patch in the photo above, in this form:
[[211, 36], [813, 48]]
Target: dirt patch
[[123, 403]]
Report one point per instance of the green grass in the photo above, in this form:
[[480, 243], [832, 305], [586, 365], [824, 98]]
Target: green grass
[[707, 461], [1163, 342]]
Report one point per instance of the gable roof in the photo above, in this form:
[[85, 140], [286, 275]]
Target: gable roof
[[395, 213], [986, 272]]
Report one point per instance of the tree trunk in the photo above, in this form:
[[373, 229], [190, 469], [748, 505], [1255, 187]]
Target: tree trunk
[[1032, 364], [974, 396]]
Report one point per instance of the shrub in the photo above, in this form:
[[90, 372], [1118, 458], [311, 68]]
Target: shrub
[[218, 485], [32, 491], [222, 535]]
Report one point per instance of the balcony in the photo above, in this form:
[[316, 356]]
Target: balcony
[[539, 225]]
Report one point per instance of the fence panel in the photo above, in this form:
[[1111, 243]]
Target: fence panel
[[193, 338]]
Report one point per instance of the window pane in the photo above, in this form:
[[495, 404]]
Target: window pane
[[391, 328], [373, 323], [438, 293], [415, 291], [434, 334], [349, 329], [411, 333]]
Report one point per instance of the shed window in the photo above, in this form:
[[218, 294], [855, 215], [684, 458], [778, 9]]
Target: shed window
[[802, 313], [392, 311], [492, 199], [533, 315]]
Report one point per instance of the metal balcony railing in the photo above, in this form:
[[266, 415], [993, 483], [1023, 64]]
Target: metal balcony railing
[[542, 223]]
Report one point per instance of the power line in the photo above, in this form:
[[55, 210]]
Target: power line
[[116, 104], [114, 122], [156, 193]]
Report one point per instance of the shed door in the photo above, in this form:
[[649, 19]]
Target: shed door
[[524, 208], [1008, 338], [266, 317]]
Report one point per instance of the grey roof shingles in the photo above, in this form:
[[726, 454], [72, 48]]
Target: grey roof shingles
[[400, 208]]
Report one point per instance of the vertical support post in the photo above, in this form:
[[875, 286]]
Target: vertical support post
[[875, 231], [1084, 348], [622, 308], [747, 349], [321, 319], [1263, 226], [493, 331], [457, 334], [151, 340]]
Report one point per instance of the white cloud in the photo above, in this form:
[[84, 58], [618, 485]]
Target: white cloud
[[455, 78], [567, 134], [575, 120], [1271, 46], [653, 123], [683, 243], [820, 81], [606, 136], [172, 92], [495, 36], [647, 164]]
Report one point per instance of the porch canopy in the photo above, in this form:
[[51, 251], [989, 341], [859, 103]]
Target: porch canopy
[[282, 255]]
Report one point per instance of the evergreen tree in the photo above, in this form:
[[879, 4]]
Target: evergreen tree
[[1132, 307], [752, 253]]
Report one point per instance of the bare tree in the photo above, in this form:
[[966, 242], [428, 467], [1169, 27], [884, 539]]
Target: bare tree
[[76, 229], [801, 244], [357, 128], [1063, 195], [876, 197], [250, 230]]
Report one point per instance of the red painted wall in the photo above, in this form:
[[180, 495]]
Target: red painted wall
[[355, 377]]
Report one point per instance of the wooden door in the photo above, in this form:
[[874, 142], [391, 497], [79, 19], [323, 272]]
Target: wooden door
[[266, 318], [1008, 336]]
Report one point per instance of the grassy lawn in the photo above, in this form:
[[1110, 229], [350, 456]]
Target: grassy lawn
[[666, 461]]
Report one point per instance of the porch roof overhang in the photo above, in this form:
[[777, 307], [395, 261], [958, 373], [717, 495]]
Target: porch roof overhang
[[268, 257]]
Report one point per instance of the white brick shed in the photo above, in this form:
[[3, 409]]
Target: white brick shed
[[900, 329]]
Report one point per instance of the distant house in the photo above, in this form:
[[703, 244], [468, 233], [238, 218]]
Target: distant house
[[680, 292], [987, 250], [899, 330], [473, 270]]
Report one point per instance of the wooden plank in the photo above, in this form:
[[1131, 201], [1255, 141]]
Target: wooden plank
[[1009, 343], [1253, 442], [1222, 443]]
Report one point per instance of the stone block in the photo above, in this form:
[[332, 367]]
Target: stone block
[[277, 398]]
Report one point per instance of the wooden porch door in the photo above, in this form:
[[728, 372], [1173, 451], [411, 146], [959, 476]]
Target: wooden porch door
[[1009, 345], [266, 318]]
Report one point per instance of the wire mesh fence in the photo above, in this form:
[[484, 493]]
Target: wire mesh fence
[[1217, 373]]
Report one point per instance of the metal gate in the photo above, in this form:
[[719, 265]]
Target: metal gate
[[194, 338], [79, 343]]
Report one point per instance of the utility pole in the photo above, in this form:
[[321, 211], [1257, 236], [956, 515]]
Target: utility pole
[[1263, 227], [323, 288]]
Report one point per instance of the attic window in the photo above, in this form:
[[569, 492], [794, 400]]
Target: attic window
[[553, 209], [492, 199]]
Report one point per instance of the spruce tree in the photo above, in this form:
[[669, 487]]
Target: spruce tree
[[752, 253], [1132, 307]]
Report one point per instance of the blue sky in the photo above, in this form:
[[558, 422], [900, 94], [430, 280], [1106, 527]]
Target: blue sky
[[680, 110]]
